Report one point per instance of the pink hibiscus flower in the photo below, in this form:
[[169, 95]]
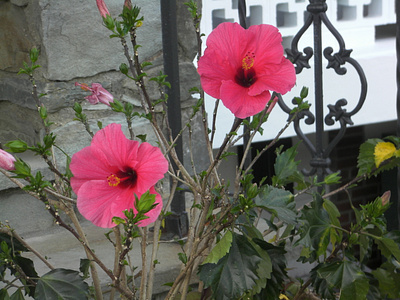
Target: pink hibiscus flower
[[241, 66], [6, 161], [99, 94], [111, 171]]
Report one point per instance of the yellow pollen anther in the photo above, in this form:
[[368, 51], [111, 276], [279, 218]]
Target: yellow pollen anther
[[248, 61], [113, 180], [85, 87]]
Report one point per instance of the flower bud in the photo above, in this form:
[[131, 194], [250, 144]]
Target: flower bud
[[128, 4], [6, 160], [385, 198], [123, 68], [17, 146], [102, 8]]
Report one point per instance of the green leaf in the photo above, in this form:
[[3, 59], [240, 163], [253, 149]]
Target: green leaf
[[285, 166], [366, 158], [182, 257], [346, 276], [61, 284], [17, 295], [277, 277], [220, 249], [84, 267], [4, 294], [277, 201], [388, 247], [235, 273], [317, 230], [388, 279]]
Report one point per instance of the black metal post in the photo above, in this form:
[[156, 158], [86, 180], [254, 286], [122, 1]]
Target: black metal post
[[177, 222]]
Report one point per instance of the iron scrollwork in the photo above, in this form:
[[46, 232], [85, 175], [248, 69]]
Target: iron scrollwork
[[320, 161]]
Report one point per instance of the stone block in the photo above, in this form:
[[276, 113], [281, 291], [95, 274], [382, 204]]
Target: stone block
[[24, 213], [15, 39], [77, 44]]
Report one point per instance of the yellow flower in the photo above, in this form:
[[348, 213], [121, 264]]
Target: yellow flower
[[282, 296], [383, 151]]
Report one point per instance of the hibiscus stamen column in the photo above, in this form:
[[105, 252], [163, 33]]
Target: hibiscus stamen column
[[247, 63]]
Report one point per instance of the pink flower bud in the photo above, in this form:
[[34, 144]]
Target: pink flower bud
[[6, 160], [102, 8], [99, 94], [386, 198], [128, 4]]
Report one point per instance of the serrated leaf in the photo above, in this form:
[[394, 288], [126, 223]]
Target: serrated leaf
[[285, 166], [61, 284], [366, 158], [277, 201], [317, 230], [235, 273], [220, 249], [383, 151], [388, 280], [278, 275], [388, 247], [346, 276]]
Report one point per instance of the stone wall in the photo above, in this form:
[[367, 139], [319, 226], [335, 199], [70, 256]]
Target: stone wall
[[75, 46]]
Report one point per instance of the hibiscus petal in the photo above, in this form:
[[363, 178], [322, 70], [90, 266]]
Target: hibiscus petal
[[151, 166], [116, 147], [222, 58], [88, 164], [266, 43], [278, 78], [237, 99], [99, 203]]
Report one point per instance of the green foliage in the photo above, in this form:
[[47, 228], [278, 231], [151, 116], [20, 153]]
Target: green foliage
[[33, 56], [366, 158], [347, 277], [276, 279], [286, 167], [17, 146], [240, 265], [317, 230], [220, 249], [388, 277], [19, 266], [192, 7], [61, 284], [279, 202]]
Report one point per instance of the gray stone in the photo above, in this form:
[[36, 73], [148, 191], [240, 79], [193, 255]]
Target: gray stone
[[20, 2], [15, 39], [19, 123], [77, 44], [24, 213]]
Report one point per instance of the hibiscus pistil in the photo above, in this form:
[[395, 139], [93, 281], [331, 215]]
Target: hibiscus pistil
[[113, 180]]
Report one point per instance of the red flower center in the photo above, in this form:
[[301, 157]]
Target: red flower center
[[246, 76], [126, 178]]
